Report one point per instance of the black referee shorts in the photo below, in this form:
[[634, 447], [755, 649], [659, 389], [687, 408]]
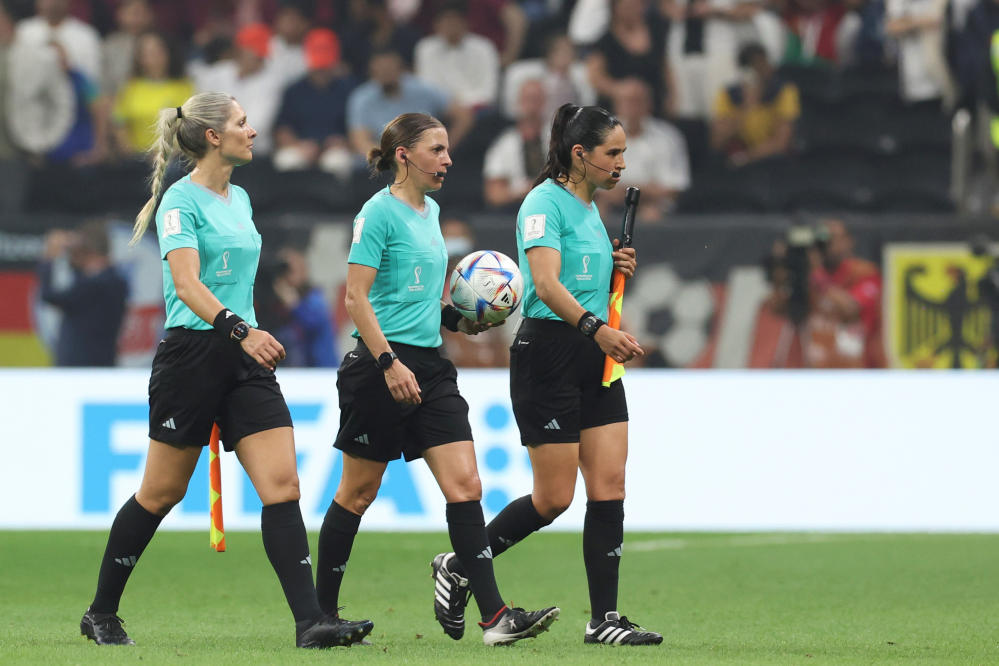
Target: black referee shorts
[[376, 427], [199, 379], [555, 383]]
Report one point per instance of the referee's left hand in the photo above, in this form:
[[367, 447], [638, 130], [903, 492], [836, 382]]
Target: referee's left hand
[[469, 327], [624, 259], [263, 348]]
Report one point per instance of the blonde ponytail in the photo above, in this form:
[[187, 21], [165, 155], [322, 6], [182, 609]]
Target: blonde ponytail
[[180, 130]]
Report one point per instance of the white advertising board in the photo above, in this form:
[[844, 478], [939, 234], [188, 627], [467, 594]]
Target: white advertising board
[[709, 450]]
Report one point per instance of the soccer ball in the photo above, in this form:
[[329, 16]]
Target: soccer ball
[[486, 286]]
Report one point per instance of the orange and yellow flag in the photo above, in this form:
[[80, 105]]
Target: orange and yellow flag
[[217, 531], [613, 370]]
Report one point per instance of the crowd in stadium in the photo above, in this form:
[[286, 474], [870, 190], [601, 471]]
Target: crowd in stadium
[[702, 87]]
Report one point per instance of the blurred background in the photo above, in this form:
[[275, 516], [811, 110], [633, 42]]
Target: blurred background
[[818, 176], [818, 191]]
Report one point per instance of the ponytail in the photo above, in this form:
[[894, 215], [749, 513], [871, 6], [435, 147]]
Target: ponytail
[[180, 130], [162, 152], [587, 126]]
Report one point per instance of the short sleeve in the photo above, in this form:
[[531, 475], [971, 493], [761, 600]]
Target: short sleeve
[[723, 105], [370, 238], [176, 224], [540, 223], [356, 104], [788, 106], [499, 159], [438, 98]]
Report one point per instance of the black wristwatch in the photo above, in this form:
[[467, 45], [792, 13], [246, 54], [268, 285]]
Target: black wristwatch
[[239, 331], [386, 360], [589, 323]]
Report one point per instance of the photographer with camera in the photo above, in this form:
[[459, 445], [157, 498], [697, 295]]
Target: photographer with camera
[[830, 300], [296, 310]]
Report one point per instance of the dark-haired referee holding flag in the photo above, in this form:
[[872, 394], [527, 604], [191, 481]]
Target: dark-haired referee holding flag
[[568, 421]]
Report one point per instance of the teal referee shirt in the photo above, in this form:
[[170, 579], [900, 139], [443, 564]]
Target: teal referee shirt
[[551, 216], [407, 248], [221, 229]]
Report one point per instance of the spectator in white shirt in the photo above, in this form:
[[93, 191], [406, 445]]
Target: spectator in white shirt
[[563, 76], [918, 27], [518, 154], [132, 18], [251, 78], [79, 41], [287, 45], [462, 63], [656, 158]]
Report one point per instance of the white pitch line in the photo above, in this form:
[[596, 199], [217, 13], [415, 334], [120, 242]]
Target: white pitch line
[[738, 541]]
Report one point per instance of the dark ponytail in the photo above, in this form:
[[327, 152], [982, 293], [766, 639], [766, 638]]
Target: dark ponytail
[[404, 130], [586, 125]]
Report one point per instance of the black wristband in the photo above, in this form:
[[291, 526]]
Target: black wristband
[[225, 321], [589, 323], [450, 318]]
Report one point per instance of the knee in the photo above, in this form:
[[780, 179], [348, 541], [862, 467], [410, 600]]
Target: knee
[[552, 505], [356, 498], [159, 501], [282, 489], [609, 487], [464, 489]]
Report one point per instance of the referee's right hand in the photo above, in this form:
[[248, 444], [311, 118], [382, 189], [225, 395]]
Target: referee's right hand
[[263, 348], [402, 384], [620, 346]]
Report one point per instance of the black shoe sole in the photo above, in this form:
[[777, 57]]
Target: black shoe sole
[[535, 629], [87, 631], [346, 640]]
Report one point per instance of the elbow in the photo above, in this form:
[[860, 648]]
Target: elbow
[[544, 291], [185, 291], [351, 301]]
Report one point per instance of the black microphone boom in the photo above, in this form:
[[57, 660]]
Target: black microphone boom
[[615, 174], [438, 174]]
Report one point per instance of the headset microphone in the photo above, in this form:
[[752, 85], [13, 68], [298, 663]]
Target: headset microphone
[[438, 174], [615, 173]]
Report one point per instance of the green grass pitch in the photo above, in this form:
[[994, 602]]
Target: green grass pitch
[[717, 598]]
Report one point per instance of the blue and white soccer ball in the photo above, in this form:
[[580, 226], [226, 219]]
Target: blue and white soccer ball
[[486, 286]]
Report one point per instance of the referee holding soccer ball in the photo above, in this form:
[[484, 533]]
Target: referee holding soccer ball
[[567, 419], [214, 366], [398, 396]]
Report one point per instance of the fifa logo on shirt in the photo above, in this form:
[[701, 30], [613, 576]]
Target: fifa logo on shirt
[[225, 260], [416, 286], [585, 275], [226, 271]]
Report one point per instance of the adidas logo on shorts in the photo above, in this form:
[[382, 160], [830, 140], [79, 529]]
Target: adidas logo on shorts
[[552, 425], [169, 424], [362, 439]]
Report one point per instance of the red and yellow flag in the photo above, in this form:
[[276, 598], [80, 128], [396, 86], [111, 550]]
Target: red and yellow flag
[[612, 369], [217, 531]]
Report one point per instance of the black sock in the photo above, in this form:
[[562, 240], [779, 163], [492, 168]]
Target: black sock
[[336, 538], [131, 531], [287, 547], [603, 534], [515, 522], [467, 529]]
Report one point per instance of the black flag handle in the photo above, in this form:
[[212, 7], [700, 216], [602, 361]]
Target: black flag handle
[[630, 207]]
